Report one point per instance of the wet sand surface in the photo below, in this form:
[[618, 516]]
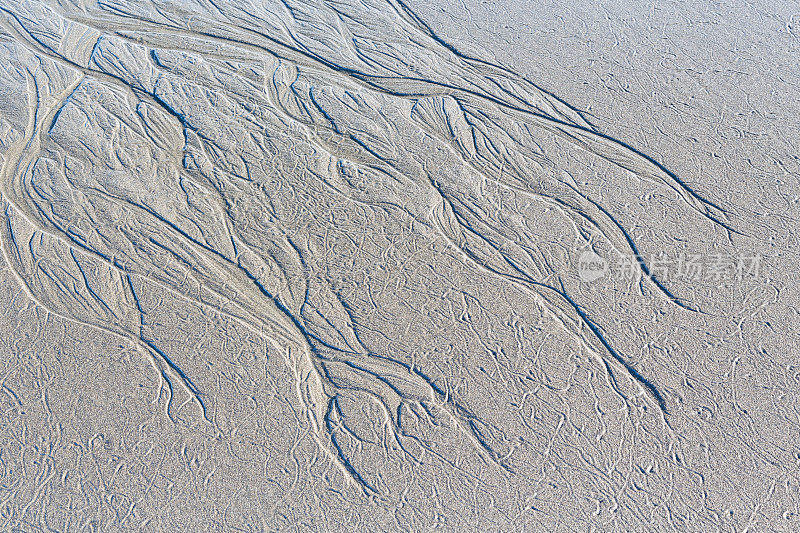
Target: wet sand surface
[[384, 265]]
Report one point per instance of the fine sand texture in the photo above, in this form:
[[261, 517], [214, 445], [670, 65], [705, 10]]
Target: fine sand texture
[[395, 265]]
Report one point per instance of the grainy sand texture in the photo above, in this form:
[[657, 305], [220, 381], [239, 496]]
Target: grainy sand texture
[[394, 265]]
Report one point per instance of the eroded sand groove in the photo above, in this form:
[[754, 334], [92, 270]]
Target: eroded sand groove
[[203, 149]]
